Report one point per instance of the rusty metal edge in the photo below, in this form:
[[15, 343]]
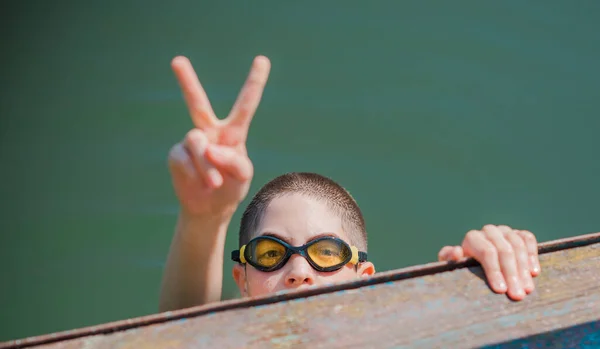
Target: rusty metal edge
[[378, 278]]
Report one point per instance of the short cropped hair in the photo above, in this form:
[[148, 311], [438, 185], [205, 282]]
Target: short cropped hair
[[314, 186]]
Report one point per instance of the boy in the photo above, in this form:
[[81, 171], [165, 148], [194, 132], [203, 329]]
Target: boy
[[300, 230]]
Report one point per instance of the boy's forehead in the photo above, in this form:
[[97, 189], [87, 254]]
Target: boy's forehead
[[298, 218]]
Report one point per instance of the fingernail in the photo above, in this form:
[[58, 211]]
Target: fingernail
[[536, 267], [520, 292], [518, 287], [502, 285]]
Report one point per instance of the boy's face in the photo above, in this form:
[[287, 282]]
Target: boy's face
[[296, 219]]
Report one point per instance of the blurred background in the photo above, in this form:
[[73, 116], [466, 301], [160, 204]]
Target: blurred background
[[439, 117]]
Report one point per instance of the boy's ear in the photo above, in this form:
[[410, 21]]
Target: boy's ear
[[366, 269], [239, 275]]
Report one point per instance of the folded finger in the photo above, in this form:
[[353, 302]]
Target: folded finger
[[230, 161], [180, 162], [507, 261], [196, 144], [520, 251], [532, 251], [477, 246]]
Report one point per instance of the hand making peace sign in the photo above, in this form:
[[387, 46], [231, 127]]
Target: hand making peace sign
[[210, 168]]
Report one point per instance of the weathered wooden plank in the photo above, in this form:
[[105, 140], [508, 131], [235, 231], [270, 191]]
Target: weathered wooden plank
[[437, 305]]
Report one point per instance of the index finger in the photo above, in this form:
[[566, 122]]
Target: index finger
[[198, 104], [245, 106]]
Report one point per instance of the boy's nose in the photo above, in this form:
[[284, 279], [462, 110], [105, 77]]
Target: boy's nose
[[300, 272]]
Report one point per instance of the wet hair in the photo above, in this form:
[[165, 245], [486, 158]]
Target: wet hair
[[314, 186]]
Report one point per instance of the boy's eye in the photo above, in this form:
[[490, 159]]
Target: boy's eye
[[270, 258], [268, 253], [271, 254], [327, 257], [327, 253]]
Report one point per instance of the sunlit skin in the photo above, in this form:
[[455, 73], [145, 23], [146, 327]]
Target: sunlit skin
[[297, 219], [211, 174]]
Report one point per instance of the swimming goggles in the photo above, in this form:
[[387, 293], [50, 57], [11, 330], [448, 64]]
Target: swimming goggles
[[328, 253]]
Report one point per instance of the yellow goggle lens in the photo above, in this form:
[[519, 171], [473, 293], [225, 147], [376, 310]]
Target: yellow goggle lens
[[267, 252], [327, 253]]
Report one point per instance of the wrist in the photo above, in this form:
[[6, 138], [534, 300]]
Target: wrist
[[202, 228], [213, 218]]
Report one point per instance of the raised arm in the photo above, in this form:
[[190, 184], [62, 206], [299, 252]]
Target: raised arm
[[211, 175]]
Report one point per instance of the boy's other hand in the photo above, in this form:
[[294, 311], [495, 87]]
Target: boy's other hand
[[508, 256], [210, 168]]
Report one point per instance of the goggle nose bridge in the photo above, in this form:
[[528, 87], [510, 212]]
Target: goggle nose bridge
[[292, 250]]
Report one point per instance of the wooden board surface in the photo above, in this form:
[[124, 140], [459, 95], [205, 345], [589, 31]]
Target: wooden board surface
[[436, 305]]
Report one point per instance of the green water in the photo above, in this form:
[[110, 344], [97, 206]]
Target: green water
[[438, 116]]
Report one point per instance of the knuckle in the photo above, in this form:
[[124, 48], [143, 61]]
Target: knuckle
[[516, 241], [489, 227], [506, 251], [195, 140], [472, 234], [505, 228], [470, 238], [190, 139], [528, 235], [194, 134], [489, 252]]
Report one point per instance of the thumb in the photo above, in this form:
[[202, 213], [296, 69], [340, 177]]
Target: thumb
[[451, 253]]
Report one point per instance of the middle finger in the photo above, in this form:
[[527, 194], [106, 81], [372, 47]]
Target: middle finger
[[508, 262], [522, 263], [245, 106]]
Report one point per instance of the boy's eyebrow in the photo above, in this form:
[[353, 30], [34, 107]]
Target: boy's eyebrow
[[309, 240], [324, 235], [277, 236]]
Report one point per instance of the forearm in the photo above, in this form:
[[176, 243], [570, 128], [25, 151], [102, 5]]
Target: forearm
[[194, 270]]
